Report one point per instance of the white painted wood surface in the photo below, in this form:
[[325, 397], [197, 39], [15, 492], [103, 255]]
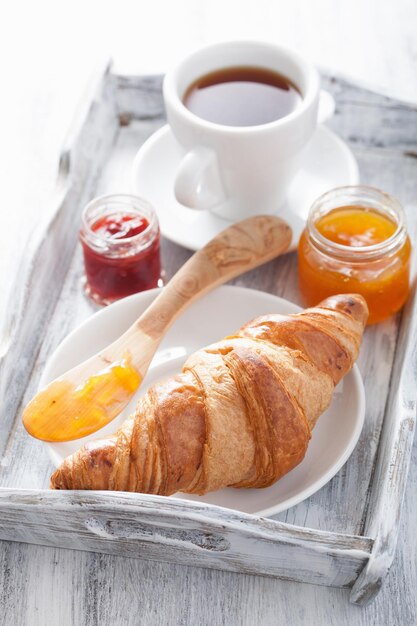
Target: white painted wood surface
[[358, 112], [374, 41], [198, 534]]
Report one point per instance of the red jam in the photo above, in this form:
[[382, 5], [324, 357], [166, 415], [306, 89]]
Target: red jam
[[119, 226], [121, 252]]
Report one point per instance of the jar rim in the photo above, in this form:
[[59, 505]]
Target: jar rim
[[378, 201], [132, 202]]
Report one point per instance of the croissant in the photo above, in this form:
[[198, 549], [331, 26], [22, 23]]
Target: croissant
[[239, 415]]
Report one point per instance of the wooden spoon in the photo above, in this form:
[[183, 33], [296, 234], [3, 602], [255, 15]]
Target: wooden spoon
[[91, 394]]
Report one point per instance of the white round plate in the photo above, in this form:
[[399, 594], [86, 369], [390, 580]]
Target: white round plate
[[216, 315], [327, 163]]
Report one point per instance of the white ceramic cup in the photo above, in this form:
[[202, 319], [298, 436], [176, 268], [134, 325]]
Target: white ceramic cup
[[240, 171]]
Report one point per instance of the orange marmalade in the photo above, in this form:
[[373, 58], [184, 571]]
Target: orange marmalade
[[63, 412], [355, 241]]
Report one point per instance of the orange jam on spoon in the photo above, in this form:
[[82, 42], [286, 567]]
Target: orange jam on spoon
[[355, 241], [64, 411]]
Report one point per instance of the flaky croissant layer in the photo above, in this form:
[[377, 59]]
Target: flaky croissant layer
[[240, 414]]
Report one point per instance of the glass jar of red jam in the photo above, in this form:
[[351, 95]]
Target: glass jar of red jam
[[356, 241], [121, 244]]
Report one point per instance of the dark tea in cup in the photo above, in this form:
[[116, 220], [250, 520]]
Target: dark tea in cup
[[242, 96]]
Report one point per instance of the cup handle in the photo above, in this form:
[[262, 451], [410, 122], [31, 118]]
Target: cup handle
[[327, 106], [198, 183]]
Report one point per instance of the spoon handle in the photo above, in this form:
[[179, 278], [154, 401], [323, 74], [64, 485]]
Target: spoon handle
[[235, 250]]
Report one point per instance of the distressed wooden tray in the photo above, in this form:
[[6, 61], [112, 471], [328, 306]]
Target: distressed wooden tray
[[344, 535]]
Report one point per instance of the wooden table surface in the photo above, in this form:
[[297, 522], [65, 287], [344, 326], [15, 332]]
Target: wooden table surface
[[55, 586]]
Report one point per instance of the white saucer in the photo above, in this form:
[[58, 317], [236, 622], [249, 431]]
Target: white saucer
[[217, 315], [328, 162]]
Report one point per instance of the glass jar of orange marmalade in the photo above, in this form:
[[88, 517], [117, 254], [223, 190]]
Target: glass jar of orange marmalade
[[356, 241]]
